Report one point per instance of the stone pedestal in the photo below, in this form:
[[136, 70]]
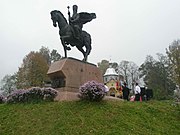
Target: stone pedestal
[[71, 73]]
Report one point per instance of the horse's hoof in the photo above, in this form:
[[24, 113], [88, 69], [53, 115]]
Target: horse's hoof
[[84, 60]]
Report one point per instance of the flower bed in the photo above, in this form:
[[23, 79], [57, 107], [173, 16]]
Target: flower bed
[[34, 94], [92, 91]]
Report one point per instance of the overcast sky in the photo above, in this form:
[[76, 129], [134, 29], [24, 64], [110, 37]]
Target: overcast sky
[[123, 30]]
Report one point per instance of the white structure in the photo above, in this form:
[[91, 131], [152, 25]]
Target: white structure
[[111, 79], [110, 74]]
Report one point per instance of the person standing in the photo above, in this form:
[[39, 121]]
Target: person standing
[[125, 91], [137, 92]]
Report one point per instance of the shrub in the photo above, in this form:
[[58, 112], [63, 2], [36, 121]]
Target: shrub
[[17, 96], [49, 94], [34, 94], [2, 99], [92, 91]]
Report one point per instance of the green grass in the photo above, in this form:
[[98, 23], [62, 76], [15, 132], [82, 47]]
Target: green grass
[[77, 118]]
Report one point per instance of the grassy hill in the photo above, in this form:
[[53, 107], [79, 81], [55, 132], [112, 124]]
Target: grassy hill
[[76, 118]]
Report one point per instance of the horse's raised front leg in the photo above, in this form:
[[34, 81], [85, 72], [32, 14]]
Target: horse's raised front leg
[[65, 47]]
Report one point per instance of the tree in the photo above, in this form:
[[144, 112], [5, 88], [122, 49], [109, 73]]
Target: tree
[[133, 72], [115, 66], [157, 76], [8, 84], [123, 69], [38, 70], [130, 72], [103, 65], [46, 54], [173, 53], [54, 56], [33, 71], [166, 82], [49, 56]]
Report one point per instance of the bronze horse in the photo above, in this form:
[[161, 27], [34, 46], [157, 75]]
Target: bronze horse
[[67, 37]]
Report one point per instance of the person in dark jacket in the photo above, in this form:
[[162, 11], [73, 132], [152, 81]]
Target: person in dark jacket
[[125, 91]]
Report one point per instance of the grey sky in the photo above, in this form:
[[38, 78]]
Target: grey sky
[[123, 30]]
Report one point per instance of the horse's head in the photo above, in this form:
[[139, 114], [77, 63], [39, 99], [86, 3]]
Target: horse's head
[[54, 17], [57, 16]]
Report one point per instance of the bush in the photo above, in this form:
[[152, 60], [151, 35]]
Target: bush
[[2, 99], [34, 94], [92, 91], [17, 96], [49, 94]]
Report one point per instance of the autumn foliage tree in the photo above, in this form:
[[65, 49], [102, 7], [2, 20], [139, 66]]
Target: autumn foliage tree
[[33, 71]]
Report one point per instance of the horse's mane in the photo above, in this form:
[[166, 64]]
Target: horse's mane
[[59, 13]]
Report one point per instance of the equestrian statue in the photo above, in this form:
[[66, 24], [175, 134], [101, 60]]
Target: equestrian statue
[[71, 32]]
